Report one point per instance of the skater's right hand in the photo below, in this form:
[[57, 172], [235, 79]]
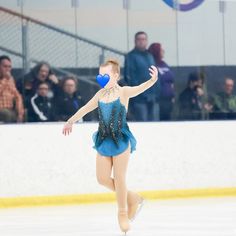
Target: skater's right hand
[[67, 129]]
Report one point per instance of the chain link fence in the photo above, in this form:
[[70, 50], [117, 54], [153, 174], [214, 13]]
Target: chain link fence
[[37, 41]]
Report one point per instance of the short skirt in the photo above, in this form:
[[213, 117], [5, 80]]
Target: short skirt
[[110, 149]]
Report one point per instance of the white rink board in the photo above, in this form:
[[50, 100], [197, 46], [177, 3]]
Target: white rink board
[[36, 159]]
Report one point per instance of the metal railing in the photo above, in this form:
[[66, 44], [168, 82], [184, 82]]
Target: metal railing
[[55, 69], [37, 41]]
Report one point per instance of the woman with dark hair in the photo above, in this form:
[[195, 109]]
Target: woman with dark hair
[[166, 79], [42, 72]]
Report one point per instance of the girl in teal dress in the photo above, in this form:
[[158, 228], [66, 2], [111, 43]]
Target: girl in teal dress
[[113, 140]]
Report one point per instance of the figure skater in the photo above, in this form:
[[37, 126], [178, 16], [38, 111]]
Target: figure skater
[[113, 140]]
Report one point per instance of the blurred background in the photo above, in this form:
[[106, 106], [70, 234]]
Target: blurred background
[[63, 42]]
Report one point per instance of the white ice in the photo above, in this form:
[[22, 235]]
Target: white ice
[[184, 217]]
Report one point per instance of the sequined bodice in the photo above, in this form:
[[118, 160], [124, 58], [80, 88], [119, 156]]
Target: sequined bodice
[[112, 118], [108, 108]]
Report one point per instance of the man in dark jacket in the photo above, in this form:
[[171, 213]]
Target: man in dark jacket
[[40, 107], [68, 101], [144, 107], [190, 101]]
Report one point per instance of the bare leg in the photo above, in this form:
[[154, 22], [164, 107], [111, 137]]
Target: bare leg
[[103, 171], [125, 199], [120, 164]]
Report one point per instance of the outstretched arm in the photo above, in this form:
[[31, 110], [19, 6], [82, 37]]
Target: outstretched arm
[[136, 90], [88, 107]]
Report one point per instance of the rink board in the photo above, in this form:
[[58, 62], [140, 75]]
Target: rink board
[[40, 166]]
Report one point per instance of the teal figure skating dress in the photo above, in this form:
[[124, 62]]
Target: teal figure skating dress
[[113, 135]]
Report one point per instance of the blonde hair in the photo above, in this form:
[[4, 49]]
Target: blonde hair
[[114, 63]]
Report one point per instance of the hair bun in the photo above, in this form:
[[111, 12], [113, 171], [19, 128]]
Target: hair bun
[[112, 61]]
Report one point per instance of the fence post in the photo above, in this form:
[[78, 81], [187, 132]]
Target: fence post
[[101, 57], [25, 46]]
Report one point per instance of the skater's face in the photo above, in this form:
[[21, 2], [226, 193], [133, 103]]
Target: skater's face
[[114, 77]]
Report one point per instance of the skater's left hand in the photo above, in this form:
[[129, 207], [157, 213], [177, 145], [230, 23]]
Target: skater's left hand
[[153, 73]]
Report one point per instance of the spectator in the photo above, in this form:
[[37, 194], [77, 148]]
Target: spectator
[[167, 81], [42, 72], [190, 100], [40, 108], [11, 105], [68, 101], [223, 104], [202, 90], [136, 71]]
